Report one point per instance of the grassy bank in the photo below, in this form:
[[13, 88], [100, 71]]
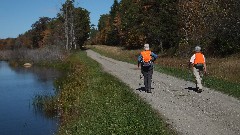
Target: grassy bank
[[223, 74], [94, 102]]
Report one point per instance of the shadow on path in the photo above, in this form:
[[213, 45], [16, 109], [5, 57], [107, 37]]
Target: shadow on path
[[142, 89], [193, 89]]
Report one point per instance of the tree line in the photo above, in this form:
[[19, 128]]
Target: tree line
[[170, 26], [173, 26], [70, 29]]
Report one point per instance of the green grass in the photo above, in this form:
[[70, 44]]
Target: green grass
[[225, 86], [99, 103], [230, 88]]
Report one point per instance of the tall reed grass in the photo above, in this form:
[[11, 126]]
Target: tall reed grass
[[21, 55]]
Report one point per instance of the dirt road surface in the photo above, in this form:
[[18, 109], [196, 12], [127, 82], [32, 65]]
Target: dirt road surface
[[189, 112]]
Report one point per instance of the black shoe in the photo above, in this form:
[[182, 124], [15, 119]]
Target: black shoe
[[149, 91], [199, 91], [145, 89]]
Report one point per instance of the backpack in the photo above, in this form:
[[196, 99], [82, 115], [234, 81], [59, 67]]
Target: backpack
[[146, 58], [198, 61]]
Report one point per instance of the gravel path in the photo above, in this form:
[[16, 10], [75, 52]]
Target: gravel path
[[190, 113]]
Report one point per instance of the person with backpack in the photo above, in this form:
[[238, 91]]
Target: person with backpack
[[146, 59], [198, 64]]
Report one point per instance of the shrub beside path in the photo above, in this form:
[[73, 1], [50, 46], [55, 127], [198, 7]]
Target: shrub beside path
[[188, 112]]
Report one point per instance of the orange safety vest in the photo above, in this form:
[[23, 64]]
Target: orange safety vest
[[199, 59], [146, 56]]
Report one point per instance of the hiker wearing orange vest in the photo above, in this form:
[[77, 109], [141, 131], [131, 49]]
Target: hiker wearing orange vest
[[146, 59], [198, 65]]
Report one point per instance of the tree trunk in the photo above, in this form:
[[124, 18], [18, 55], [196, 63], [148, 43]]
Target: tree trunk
[[66, 29]]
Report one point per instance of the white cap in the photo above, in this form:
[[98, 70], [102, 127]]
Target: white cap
[[146, 46], [197, 49]]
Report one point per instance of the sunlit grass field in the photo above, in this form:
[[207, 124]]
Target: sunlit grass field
[[223, 74]]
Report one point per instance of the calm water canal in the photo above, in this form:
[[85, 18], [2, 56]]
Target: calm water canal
[[18, 87]]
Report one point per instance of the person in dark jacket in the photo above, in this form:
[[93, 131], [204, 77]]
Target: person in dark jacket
[[146, 60]]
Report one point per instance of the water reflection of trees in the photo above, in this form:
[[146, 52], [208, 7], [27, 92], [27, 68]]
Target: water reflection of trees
[[43, 104], [42, 74]]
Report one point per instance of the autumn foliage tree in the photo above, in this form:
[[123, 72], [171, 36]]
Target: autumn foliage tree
[[103, 28], [39, 32], [225, 28], [211, 24], [132, 23], [173, 26]]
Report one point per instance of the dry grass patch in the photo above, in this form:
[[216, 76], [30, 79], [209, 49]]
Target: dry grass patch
[[225, 68]]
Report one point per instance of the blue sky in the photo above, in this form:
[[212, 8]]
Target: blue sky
[[17, 16]]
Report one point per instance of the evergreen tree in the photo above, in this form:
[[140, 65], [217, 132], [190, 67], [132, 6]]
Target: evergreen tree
[[81, 26], [132, 35], [113, 34]]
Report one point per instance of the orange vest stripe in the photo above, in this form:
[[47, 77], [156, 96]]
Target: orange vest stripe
[[146, 56], [199, 59]]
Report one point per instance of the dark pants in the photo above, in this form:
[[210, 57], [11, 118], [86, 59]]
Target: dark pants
[[147, 74]]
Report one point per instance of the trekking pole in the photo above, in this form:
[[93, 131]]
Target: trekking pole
[[203, 77], [189, 72], [140, 77], [189, 75], [152, 74]]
